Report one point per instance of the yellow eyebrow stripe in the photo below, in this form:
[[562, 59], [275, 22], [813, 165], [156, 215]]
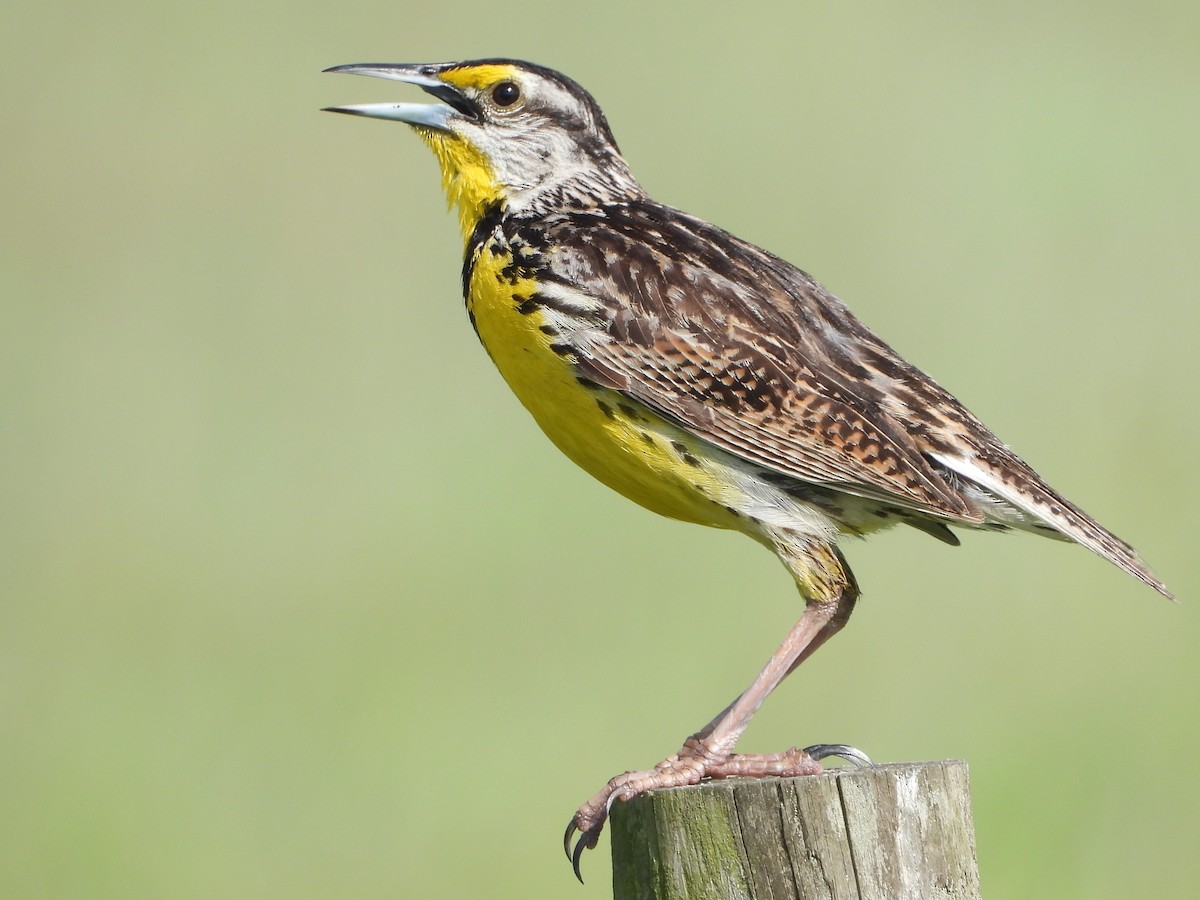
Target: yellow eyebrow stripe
[[478, 77]]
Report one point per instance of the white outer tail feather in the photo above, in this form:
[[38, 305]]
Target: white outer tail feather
[[1074, 525]]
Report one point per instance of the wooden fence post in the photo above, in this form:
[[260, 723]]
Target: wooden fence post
[[890, 832]]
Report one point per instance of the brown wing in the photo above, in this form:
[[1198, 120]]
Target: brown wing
[[746, 352]]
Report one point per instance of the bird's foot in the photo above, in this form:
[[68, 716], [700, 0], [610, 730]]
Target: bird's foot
[[693, 763]]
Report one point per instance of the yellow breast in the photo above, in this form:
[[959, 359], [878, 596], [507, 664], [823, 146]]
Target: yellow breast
[[615, 439]]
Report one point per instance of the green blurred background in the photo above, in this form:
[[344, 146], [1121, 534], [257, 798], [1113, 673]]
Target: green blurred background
[[297, 602]]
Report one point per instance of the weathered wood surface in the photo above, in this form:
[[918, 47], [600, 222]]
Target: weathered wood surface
[[890, 832]]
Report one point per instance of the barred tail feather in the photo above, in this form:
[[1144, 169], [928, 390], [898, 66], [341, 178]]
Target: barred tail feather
[[1037, 499]]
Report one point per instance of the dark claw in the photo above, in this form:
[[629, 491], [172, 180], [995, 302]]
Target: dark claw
[[586, 841], [571, 829], [577, 855], [844, 751]]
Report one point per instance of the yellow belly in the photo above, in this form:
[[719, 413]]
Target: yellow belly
[[615, 439]]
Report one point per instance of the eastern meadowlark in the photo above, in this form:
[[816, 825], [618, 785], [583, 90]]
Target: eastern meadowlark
[[700, 376]]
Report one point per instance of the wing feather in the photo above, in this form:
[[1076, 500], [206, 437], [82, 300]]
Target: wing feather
[[750, 354], [726, 341]]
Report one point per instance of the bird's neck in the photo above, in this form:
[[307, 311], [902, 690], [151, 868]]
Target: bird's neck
[[577, 188], [473, 189]]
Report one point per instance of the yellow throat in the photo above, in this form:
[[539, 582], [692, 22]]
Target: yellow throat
[[467, 177]]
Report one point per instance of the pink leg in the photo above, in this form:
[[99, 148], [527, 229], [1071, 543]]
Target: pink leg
[[830, 593]]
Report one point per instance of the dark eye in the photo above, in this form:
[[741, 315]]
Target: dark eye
[[506, 93]]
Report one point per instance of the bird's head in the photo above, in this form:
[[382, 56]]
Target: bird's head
[[506, 132]]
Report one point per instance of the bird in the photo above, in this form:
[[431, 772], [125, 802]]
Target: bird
[[700, 376]]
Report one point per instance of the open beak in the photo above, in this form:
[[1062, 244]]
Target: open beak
[[455, 104]]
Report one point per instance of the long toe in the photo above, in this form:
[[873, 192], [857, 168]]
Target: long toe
[[685, 767], [788, 764], [691, 765]]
